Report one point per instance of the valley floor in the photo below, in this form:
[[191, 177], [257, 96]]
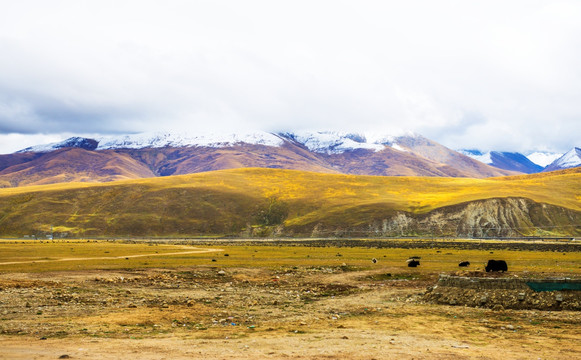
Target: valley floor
[[252, 311]]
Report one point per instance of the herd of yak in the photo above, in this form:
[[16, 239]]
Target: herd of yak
[[492, 265]]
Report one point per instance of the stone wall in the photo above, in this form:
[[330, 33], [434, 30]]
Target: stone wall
[[483, 283], [498, 283], [501, 293]]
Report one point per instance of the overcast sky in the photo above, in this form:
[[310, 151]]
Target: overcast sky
[[493, 75]]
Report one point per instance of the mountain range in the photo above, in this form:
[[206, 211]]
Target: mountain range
[[570, 159], [111, 158], [529, 164], [505, 160], [282, 184], [163, 154]]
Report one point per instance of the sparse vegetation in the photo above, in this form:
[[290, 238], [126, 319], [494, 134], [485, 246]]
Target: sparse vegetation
[[273, 214]]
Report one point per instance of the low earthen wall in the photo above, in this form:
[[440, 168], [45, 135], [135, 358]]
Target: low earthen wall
[[497, 283], [504, 293]]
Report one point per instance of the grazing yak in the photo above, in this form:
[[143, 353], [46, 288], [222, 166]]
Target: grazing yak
[[413, 262], [464, 263], [496, 265]]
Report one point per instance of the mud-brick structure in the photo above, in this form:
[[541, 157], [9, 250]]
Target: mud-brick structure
[[507, 293]]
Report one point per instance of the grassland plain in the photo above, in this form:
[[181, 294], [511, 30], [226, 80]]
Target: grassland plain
[[90, 299], [265, 202], [35, 256]]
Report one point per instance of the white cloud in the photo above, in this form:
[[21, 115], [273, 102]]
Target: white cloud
[[14, 142], [458, 72]]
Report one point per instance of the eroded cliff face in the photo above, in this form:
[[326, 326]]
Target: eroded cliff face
[[513, 217], [505, 217]]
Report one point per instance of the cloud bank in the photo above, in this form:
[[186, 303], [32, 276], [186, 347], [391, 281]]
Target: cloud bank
[[488, 75]]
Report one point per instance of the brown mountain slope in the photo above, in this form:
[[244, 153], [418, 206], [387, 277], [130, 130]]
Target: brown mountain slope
[[418, 157], [9, 160], [74, 164], [391, 162], [449, 159], [388, 162], [188, 160]]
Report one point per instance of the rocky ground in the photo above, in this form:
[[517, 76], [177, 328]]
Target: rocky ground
[[246, 312], [249, 297]]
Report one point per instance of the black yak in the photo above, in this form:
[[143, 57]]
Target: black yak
[[464, 263], [413, 263], [496, 265]]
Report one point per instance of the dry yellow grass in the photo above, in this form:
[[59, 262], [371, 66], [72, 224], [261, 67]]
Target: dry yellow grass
[[78, 254], [561, 188], [220, 201]]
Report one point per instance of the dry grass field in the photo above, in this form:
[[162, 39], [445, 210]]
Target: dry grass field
[[87, 299]]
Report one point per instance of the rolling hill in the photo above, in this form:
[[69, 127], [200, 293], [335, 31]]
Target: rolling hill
[[268, 202]]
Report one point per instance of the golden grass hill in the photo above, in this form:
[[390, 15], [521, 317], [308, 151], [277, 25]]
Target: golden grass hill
[[324, 184]]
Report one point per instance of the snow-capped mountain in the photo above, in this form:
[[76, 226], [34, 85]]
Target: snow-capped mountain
[[477, 155], [324, 142], [162, 154], [160, 140], [543, 158], [570, 159], [512, 161], [330, 142], [73, 142]]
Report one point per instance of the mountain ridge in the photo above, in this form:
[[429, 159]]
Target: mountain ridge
[[316, 141], [512, 161], [570, 159], [533, 163], [164, 154]]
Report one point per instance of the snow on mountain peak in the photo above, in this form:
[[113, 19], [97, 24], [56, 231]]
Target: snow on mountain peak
[[478, 155], [160, 139], [543, 158], [570, 159], [333, 142], [391, 139], [328, 142], [78, 142]]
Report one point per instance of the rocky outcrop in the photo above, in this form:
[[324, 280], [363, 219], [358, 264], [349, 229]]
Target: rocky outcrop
[[507, 217]]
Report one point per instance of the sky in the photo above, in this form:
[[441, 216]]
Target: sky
[[491, 75]]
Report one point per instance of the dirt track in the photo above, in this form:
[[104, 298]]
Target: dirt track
[[198, 251]]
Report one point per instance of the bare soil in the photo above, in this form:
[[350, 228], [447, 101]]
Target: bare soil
[[249, 313]]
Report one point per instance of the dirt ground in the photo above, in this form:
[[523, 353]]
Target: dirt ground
[[208, 312]]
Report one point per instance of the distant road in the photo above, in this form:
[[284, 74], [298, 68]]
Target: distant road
[[407, 243], [197, 251], [533, 244]]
